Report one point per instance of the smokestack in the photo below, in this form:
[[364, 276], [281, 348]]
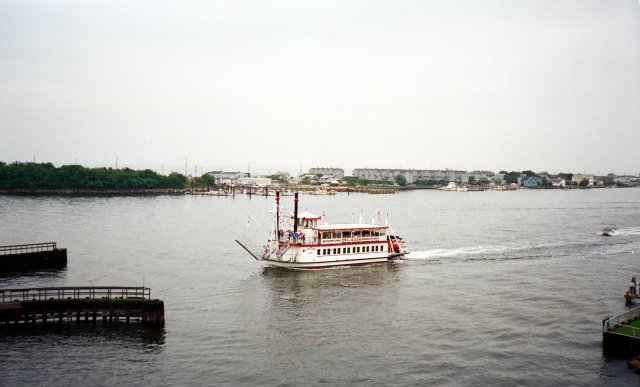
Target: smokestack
[[278, 216], [295, 212]]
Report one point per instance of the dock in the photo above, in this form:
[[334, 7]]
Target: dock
[[87, 304], [32, 256], [621, 334]]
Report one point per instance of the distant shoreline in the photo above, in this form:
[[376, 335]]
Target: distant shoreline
[[91, 192], [176, 192]]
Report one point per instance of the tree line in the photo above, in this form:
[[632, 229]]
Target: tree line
[[20, 175]]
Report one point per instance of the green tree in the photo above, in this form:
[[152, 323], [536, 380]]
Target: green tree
[[205, 180], [400, 179], [472, 179], [47, 176], [511, 177], [352, 180]]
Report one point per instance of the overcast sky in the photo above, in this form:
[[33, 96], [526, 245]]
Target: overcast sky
[[514, 84]]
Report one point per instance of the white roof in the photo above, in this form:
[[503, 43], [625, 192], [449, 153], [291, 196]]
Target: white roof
[[348, 226], [307, 215]]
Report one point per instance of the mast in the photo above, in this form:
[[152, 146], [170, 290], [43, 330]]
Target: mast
[[278, 217], [295, 212]]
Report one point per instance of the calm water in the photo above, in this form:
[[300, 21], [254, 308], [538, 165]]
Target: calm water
[[501, 288]]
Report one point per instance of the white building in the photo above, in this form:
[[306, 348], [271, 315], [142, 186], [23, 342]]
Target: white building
[[254, 181], [227, 177], [412, 175], [337, 172]]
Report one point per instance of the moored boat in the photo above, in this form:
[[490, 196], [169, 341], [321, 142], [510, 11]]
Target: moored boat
[[304, 243]]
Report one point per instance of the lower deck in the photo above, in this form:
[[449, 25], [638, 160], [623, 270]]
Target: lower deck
[[326, 263]]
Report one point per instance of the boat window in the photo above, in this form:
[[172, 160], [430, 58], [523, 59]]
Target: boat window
[[346, 234], [318, 251], [357, 234], [348, 250], [326, 235], [337, 235], [366, 233]]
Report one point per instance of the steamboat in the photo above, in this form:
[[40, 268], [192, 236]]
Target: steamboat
[[308, 244]]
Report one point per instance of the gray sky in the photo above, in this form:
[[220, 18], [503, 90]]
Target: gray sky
[[515, 84]]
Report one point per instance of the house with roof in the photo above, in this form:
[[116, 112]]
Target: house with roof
[[532, 182], [557, 182]]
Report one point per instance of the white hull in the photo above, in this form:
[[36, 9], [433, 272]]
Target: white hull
[[325, 264]]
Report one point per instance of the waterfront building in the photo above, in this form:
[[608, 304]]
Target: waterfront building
[[557, 182], [412, 175], [254, 181], [532, 181], [228, 178], [482, 175], [337, 172], [626, 180], [576, 179]]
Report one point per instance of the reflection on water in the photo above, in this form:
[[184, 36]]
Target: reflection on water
[[118, 333], [375, 274], [32, 275]]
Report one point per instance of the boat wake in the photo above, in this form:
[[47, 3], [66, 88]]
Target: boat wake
[[482, 252], [627, 231]]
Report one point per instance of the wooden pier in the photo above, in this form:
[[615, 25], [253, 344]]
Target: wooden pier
[[80, 303], [31, 256]]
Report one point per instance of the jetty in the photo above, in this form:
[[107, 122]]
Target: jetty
[[80, 303], [621, 333], [31, 256]]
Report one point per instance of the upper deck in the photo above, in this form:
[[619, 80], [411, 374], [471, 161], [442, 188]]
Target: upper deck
[[348, 227]]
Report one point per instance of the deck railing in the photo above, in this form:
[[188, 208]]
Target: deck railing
[[353, 240], [610, 323], [74, 293], [28, 248]]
